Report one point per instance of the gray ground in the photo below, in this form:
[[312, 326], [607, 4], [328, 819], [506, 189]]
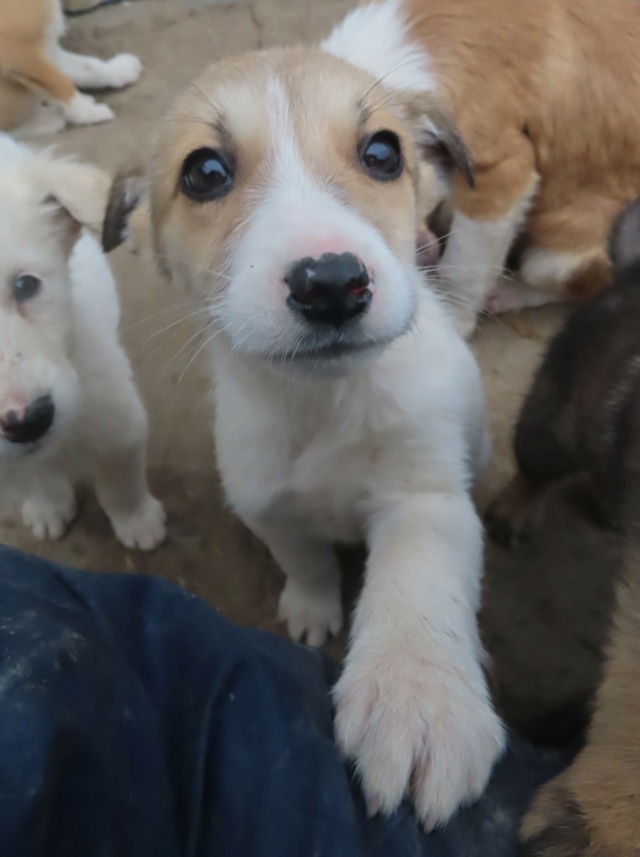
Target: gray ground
[[544, 605]]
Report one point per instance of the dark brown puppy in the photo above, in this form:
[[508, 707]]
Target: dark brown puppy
[[582, 418], [572, 425]]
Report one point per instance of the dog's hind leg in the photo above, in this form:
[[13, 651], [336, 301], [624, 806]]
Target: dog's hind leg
[[37, 72], [92, 73]]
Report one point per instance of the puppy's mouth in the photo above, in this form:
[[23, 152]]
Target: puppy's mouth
[[329, 348], [330, 351]]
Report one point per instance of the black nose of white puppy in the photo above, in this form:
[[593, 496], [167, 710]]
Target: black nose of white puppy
[[331, 290], [29, 425]]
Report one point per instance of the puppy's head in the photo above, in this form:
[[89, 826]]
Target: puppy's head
[[284, 188], [44, 204]]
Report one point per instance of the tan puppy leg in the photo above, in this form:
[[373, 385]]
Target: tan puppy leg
[[35, 71], [566, 257], [485, 222], [593, 808]]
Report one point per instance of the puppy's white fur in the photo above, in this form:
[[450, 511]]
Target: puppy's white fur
[[371, 431], [63, 342]]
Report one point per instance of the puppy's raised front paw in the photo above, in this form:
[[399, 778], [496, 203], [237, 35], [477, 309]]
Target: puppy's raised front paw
[[310, 612], [123, 70], [405, 720], [85, 110], [144, 529], [49, 519]]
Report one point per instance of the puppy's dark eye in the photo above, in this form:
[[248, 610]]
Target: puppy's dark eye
[[381, 156], [25, 287], [206, 174]]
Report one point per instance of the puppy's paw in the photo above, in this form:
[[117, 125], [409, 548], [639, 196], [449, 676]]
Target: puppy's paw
[[49, 519], [145, 529], [123, 70], [407, 722], [309, 612], [85, 110]]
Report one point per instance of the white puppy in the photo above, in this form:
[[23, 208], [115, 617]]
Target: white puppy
[[68, 405], [284, 191]]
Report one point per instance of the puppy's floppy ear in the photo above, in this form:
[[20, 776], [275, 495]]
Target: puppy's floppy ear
[[437, 135], [126, 214], [624, 241], [80, 190]]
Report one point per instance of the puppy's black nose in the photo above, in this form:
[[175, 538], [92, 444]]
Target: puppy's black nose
[[332, 289], [31, 424]]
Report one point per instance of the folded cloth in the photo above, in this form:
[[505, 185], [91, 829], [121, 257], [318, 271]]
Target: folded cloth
[[136, 722]]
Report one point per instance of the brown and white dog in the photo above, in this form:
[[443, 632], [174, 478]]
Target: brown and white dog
[[545, 96], [33, 66], [285, 192]]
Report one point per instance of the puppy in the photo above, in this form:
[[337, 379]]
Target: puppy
[[68, 405], [570, 429], [582, 417], [283, 192], [33, 66], [541, 94]]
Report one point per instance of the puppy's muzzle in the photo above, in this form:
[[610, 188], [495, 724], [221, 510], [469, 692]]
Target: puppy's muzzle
[[332, 290], [29, 424]]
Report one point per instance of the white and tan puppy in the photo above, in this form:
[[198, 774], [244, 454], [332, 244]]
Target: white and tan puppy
[[544, 95], [69, 408], [283, 192], [33, 65]]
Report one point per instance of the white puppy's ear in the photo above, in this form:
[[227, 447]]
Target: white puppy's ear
[[126, 217], [437, 136], [80, 190]]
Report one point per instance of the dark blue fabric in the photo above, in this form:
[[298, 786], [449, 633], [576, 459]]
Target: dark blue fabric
[[135, 721]]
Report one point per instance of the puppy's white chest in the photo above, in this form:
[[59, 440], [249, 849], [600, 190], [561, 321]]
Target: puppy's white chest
[[325, 489]]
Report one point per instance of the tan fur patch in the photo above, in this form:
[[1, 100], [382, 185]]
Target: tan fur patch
[[542, 89]]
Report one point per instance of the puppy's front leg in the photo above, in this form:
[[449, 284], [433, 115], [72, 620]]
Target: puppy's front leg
[[412, 703], [138, 519], [310, 603], [50, 504]]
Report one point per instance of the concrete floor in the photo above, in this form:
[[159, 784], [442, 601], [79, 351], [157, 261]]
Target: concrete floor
[[544, 606]]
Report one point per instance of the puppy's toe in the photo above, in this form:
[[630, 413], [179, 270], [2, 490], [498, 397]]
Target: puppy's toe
[[124, 70], [143, 530], [310, 613], [49, 520]]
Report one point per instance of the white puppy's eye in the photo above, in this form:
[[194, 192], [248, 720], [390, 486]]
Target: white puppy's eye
[[206, 174], [25, 287], [381, 156]]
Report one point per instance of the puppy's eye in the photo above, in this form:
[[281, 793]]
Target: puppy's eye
[[206, 174], [381, 156], [25, 287]]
